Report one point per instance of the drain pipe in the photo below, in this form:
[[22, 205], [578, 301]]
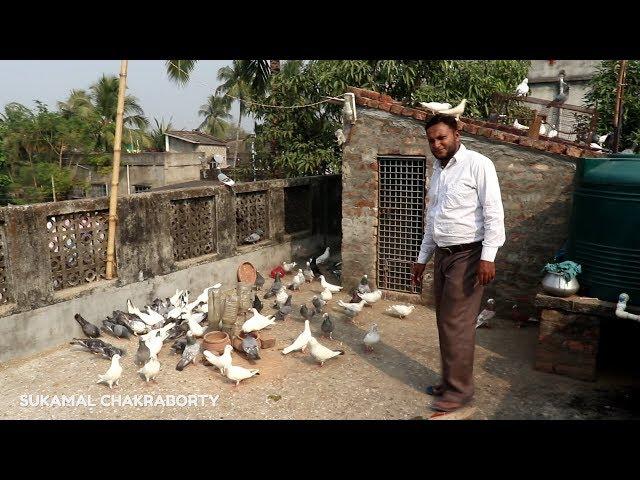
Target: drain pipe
[[621, 307]]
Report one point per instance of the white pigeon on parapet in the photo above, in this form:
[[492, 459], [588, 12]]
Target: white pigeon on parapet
[[457, 110], [224, 179], [519, 126], [435, 106]]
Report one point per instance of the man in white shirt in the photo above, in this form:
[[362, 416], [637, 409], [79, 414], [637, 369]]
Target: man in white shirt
[[464, 227]]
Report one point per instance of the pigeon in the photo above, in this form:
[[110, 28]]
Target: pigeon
[[321, 353], [163, 332], [178, 331], [194, 325], [179, 345], [323, 258], [326, 294], [115, 329], [327, 326], [300, 343], [259, 281], [485, 315], [435, 106], [602, 140], [98, 347], [297, 281], [401, 310], [107, 326], [285, 309], [562, 96], [253, 238], [204, 296], [372, 297], [520, 127], [89, 329], [318, 303], [308, 273], [457, 110], [355, 298], [257, 304], [352, 307], [372, 337], [552, 133], [238, 373], [332, 288], [314, 267], [145, 317], [221, 362], [250, 347], [189, 353], [143, 354], [363, 286], [340, 138], [150, 369], [281, 298], [523, 88], [257, 322], [595, 146], [154, 343], [131, 322], [277, 285], [305, 312], [175, 298], [112, 376], [288, 266], [224, 179]]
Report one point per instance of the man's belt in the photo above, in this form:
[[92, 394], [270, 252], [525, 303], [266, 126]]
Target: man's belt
[[448, 250]]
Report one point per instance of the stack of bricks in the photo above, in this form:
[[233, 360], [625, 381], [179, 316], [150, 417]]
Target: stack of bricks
[[568, 344]]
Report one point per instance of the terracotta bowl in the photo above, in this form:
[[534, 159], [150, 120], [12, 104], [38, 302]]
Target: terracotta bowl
[[215, 342]]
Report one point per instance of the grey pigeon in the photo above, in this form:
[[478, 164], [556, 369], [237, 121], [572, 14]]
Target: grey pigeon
[[277, 285], [250, 347], [305, 312], [89, 329], [179, 345], [143, 353], [253, 238], [363, 287], [257, 304], [107, 326], [178, 330], [308, 273], [285, 309], [327, 326], [121, 331], [190, 352], [98, 347], [259, 281], [318, 303]]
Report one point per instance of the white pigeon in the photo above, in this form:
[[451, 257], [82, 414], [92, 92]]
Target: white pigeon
[[352, 307], [523, 88], [457, 110], [372, 337], [371, 297], [224, 179], [308, 273], [603, 138], [340, 138], [164, 332], [194, 325], [323, 258], [552, 133], [326, 294], [257, 322], [519, 126], [238, 373], [204, 296], [288, 266], [435, 106], [151, 368], [595, 146], [221, 362], [401, 310], [204, 308], [329, 286], [113, 374], [300, 343], [299, 276], [321, 353], [145, 317], [155, 315], [154, 343], [297, 281], [281, 296], [176, 298]]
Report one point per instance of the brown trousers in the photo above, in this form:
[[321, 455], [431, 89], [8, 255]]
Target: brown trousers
[[457, 305]]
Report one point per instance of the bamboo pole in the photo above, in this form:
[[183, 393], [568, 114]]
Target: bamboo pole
[[617, 114], [115, 175]]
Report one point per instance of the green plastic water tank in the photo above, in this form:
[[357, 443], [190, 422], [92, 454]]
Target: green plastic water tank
[[604, 232]]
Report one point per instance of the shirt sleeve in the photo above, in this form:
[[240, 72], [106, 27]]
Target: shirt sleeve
[[491, 201], [428, 245]]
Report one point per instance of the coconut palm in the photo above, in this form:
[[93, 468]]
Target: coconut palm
[[156, 135], [215, 113]]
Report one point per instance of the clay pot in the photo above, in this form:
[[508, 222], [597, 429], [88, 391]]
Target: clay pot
[[215, 342]]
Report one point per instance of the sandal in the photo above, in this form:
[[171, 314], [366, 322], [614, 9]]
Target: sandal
[[435, 390], [446, 406]]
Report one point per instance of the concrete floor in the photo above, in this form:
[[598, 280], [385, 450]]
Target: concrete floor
[[386, 384]]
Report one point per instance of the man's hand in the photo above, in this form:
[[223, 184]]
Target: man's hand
[[417, 269], [486, 272]]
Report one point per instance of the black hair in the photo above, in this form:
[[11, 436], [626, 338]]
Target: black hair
[[448, 120]]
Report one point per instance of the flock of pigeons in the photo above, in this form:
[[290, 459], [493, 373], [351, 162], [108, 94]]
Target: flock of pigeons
[[180, 321]]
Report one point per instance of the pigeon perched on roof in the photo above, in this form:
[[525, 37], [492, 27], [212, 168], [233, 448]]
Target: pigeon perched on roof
[[435, 107], [455, 111], [224, 179]]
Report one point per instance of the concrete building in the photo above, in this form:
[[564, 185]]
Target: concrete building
[[184, 141], [543, 78]]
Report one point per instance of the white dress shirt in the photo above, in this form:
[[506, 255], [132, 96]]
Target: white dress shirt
[[464, 206]]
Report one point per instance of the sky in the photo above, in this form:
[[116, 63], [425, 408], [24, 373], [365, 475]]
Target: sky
[[50, 81]]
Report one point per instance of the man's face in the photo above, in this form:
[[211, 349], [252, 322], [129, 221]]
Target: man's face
[[443, 141]]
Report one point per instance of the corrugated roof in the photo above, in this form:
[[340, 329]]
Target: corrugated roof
[[196, 137]]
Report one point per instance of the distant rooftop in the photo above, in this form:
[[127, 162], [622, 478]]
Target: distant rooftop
[[196, 137]]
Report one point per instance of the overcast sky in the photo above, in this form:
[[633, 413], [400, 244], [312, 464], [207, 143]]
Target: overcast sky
[[51, 81]]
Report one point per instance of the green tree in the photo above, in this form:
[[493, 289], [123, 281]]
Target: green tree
[[601, 94], [215, 113], [157, 135]]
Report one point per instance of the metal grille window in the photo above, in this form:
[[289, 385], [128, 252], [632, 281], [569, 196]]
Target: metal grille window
[[98, 189], [401, 222]]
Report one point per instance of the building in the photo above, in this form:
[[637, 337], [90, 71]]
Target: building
[[184, 141], [544, 78]]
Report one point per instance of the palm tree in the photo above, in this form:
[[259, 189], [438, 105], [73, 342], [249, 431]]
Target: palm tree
[[215, 113], [157, 134], [99, 106]]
